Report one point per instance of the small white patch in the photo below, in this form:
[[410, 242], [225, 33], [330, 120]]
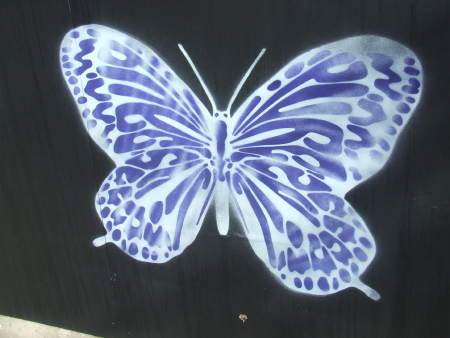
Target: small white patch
[[141, 138], [310, 160], [134, 118], [135, 223], [338, 69], [118, 55], [319, 138]]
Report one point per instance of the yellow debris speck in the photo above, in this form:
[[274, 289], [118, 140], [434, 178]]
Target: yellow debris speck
[[243, 317]]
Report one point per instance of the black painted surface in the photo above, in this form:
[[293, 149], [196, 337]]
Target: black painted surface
[[50, 171]]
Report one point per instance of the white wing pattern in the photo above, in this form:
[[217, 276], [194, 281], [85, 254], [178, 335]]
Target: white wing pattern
[[321, 125], [324, 123], [157, 133]]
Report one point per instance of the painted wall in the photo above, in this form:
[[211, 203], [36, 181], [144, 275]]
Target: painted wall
[[52, 171]]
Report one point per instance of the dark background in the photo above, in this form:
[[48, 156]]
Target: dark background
[[51, 170]]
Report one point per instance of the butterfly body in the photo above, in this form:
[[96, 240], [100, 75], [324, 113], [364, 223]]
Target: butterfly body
[[222, 164], [283, 161]]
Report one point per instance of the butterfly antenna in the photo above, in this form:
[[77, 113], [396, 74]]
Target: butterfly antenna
[[244, 78], [205, 88]]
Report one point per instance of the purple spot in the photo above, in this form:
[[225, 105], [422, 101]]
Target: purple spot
[[105, 212], [75, 34], [365, 242], [101, 200], [411, 71], [403, 108], [345, 275], [91, 124], [145, 252], [72, 80], [66, 49], [294, 234], [168, 75], [413, 87], [299, 264], [82, 100], [351, 154], [357, 224], [319, 56], [65, 58], [281, 261], [154, 256], [375, 97], [397, 119], [410, 61], [85, 113], [105, 187], [308, 283], [67, 73], [297, 282], [335, 283], [384, 144], [67, 65], [92, 32], [354, 268], [294, 70], [323, 284], [123, 244], [410, 99], [154, 61], [91, 75], [156, 212], [360, 254], [109, 225], [76, 90], [391, 130], [274, 85], [133, 249], [166, 255], [283, 276], [116, 235], [356, 175]]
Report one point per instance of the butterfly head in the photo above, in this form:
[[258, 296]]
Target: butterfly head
[[222, 115]]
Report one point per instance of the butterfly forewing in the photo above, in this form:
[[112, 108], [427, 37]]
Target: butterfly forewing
[[324, 123], [156, 131]]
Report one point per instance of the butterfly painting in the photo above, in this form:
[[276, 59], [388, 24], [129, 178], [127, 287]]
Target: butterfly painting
[[282, 162]]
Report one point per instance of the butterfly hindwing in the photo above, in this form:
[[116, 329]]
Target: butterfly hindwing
[[156, 131], [324, 123], [154, 210]]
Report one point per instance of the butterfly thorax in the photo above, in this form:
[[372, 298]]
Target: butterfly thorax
[[221, 159]]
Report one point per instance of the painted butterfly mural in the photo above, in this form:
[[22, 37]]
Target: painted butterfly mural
[[283, 160]]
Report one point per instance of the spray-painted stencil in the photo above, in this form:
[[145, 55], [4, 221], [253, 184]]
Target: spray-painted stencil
[[284, 160]]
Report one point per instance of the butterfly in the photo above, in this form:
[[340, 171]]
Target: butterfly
[[283, 161]]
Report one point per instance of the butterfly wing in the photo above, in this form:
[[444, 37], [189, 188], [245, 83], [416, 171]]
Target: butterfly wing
[[154, 129], [324, 123]]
